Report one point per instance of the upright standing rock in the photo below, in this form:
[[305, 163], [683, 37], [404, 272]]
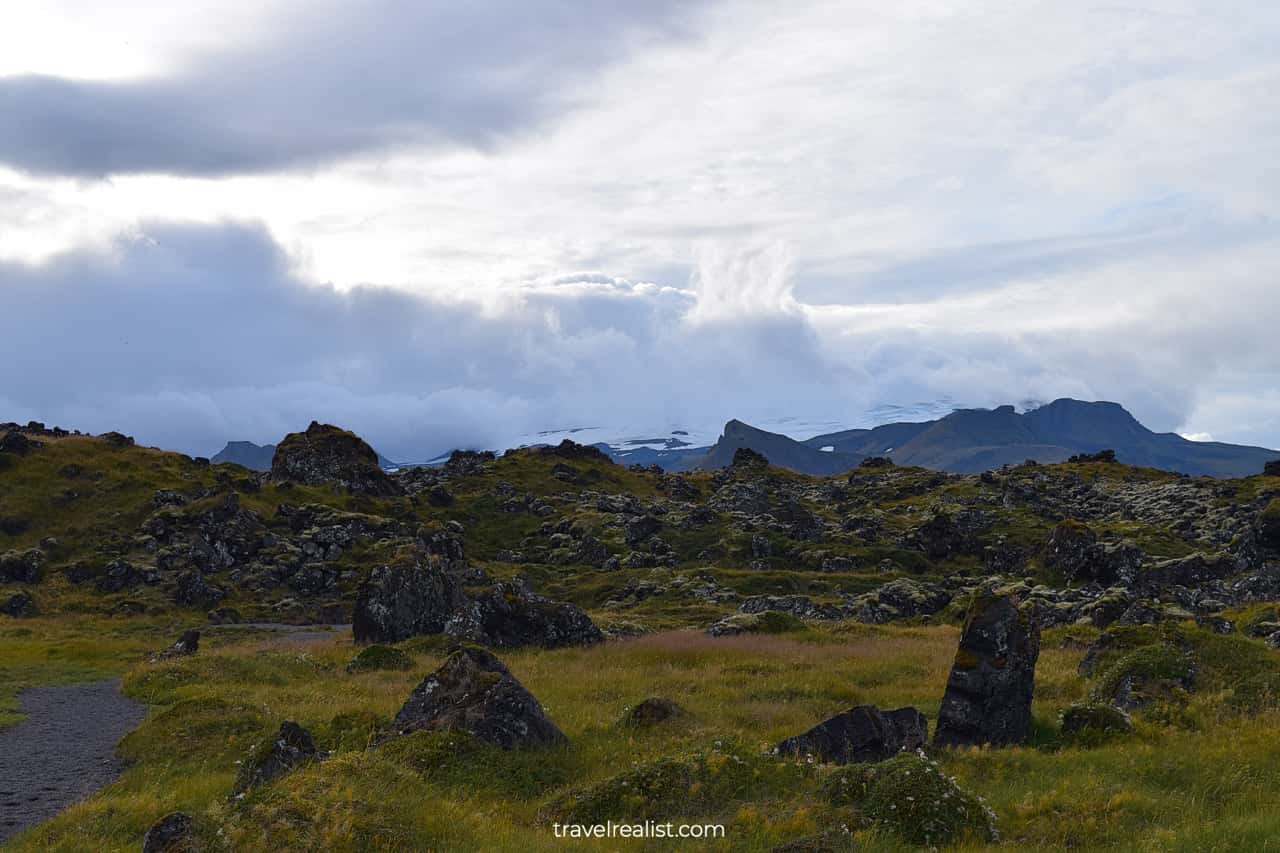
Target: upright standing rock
[[988, 696]]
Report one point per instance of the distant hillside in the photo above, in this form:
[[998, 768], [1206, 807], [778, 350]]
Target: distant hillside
[[256, 457], [778, 449], [972, 440]]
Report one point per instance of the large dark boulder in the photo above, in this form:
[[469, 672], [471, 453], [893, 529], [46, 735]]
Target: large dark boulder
[[328, 454], [861, 734], [474, 692], [292, 747], [402, 600], [509, 614], [988, 695], [22, 566], [1271, 469]]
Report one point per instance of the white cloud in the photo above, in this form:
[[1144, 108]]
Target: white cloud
[[806, 207]]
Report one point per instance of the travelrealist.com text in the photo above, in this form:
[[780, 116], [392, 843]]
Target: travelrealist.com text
[[646, 829]]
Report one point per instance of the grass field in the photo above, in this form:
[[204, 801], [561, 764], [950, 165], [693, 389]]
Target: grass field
[[1207, 778]]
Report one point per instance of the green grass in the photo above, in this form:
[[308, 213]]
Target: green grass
[[1204, 775], [70, 649], [1163, 783]]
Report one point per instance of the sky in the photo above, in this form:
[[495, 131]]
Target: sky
[[456, 224]]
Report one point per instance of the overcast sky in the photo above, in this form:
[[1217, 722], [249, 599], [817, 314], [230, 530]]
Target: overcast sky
[[445, 223]]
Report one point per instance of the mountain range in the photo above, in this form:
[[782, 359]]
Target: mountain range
[[973, 440], [965, 441]]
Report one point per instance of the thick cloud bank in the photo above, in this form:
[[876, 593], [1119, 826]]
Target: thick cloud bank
[[191, 335]]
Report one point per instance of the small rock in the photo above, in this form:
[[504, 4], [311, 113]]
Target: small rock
[[652, 711], [224, 616], [19, 605], [1095, 717], [173, 833], [864, 733], [188, 643], [293, 746]]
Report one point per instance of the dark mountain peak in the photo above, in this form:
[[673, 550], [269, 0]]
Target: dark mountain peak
[[256, 457], [1091, 426]]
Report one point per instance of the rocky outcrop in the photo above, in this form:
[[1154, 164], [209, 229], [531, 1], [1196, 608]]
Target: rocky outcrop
[[327, 454], [864, 733], [640, 528], [509, 614], [12, 441], [121, 574], [988, 695], [173, 833], [192, 590], [292, 747], [474, 692], [117, 439], [900, 599], [947, 533], [402, 600], [1070, 550], [799, 606], [22, 566]]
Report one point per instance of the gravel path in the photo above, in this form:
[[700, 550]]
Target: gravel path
[[284, 634], [63, 751]]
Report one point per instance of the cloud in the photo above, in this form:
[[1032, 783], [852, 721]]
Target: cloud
[[331, 80], [638, 214], [192, 335], [188, 336]]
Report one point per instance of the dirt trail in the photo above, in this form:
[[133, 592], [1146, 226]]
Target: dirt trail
[[63, 751]]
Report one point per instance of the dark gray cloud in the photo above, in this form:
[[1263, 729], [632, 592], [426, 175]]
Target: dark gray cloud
[[191, 335], [340, 79]]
